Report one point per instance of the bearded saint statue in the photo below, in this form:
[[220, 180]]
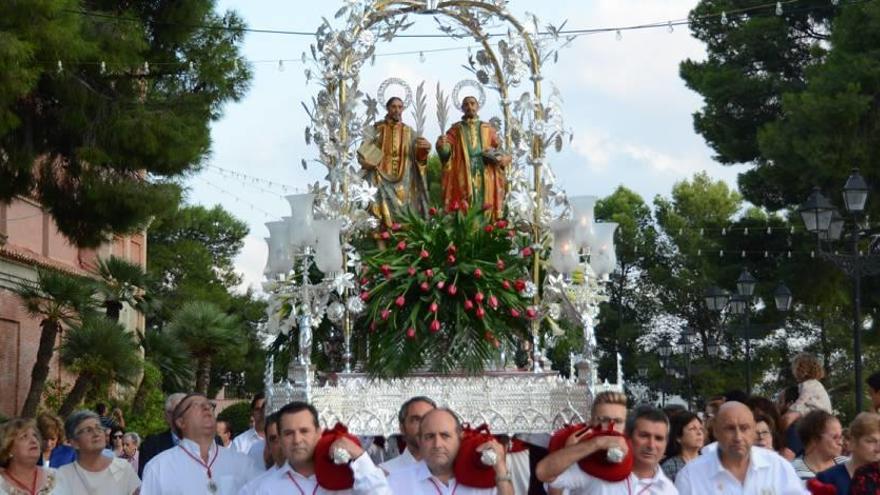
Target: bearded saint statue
[[395, 161], [473, 166]]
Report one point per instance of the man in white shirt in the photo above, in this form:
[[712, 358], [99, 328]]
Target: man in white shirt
[[736, 466], [273, 456], [255, 434], [409, 417], [439, 441], [647, 429], [300, 431], [197, 464]]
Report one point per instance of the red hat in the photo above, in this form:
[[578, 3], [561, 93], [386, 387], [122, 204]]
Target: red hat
[[596, 464], [816, 487], [469, 470], [332, 476]]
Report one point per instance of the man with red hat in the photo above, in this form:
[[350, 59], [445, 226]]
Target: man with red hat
[[647, 431], [300, 434], [440, 438]]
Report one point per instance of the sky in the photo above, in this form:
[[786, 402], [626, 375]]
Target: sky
[[630, 112]]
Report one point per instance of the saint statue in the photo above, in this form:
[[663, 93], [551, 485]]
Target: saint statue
[[394, 160], [473, 166]]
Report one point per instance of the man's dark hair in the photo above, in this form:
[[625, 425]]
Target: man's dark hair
[[873, 381], [296, 407], [101, 409], [271, 418], [228, 426], [404, 409], [258, 397], [646, 413], [391, 100]]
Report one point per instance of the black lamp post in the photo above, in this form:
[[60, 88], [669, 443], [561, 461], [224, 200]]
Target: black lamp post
[[822, 219], [685, 344], [718, 299], [665, 351]]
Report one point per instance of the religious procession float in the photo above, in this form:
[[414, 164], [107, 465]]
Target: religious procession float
[[451, 276]]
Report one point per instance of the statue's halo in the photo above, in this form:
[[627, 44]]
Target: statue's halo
[[395, 81], [464, 83]]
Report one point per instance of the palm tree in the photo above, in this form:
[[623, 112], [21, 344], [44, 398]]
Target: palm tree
[[206, 331], [121, 282], [56, 299], [168, 356], [100, 351]]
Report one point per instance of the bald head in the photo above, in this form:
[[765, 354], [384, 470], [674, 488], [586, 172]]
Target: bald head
[[734, 428]]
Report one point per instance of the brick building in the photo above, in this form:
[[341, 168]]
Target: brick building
[[29, 239]]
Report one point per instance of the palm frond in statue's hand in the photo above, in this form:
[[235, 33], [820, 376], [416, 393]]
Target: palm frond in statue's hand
[[442, 109], [420, 108]]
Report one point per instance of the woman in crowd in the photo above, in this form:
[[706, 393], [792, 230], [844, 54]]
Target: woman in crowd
[[865, 444], [685, 441], [766, 434], [94, 473], [116, 442], [55, 452], [20, 449], [130, 444], [822, 437]]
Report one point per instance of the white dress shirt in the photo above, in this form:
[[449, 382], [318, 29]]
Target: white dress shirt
[[251, 487], [580, 483], [368, 480], [256, 452], [418, 480], [520, 471], [244, 441], [402, 461], [119, 477], [768, 474], [179, 471]]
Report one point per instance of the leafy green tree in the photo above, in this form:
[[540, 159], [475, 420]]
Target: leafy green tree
[[100, 351], [206, 332], [57, 300], [166, 355], [120, 282], [103, 103]]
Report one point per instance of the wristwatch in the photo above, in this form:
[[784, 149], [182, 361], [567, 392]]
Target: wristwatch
[[503, 477]]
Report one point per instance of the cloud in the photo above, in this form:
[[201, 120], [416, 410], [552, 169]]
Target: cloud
[[250, 263]]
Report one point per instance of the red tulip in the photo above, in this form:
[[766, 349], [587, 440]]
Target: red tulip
[[401, 245], [433, 307], [514, 312], [511, 233], [395, 226], [385, 314], [465, 206], [489, 336], [451, 249], [425, 286], [519, 285], [500, 264], [429, 273], [487, 206], [531, 313], [364, 281], [488, 229], [385, 235], [526, 252], [501, 224], [505, 284], [479, 297], [423, 254], [400, 301], [454, 206], [435, 326], [441, 284], [373, 326], [493, 302], [478, 273], [410, 333], [365, 296], [432, 211], [451, 290], [411, 271], [385, 268], [450, 259], [480, 312], [468, 305]]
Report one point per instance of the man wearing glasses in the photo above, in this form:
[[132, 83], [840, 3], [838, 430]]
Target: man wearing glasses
[[197, 464]]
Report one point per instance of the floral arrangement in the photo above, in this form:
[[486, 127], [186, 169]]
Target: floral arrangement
[[445, 292]]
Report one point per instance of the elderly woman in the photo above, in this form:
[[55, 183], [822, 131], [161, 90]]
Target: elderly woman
[[20, 449], [131, 441], [864, 434], [55, 453], [822, 437], [94, 473]]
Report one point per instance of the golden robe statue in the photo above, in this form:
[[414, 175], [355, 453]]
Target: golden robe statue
[[395, 161], [473, 169]]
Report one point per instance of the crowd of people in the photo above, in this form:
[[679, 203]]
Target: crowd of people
[[739, 444]]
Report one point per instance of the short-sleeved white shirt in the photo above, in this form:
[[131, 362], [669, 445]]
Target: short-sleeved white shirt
[[768, 474], [580, 483], [117, 479], [418, 480]]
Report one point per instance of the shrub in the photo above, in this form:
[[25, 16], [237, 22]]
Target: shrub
[[238, 415]]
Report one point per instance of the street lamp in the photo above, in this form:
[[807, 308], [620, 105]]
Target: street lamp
[[716, 298], [665, 351], [855, 265], [712, 347], [782, 298]]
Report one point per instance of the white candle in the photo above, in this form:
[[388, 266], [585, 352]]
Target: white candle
[[603, 259], [328, 252], [582, 214], [300, 223], [564, 256], [279, 257]]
